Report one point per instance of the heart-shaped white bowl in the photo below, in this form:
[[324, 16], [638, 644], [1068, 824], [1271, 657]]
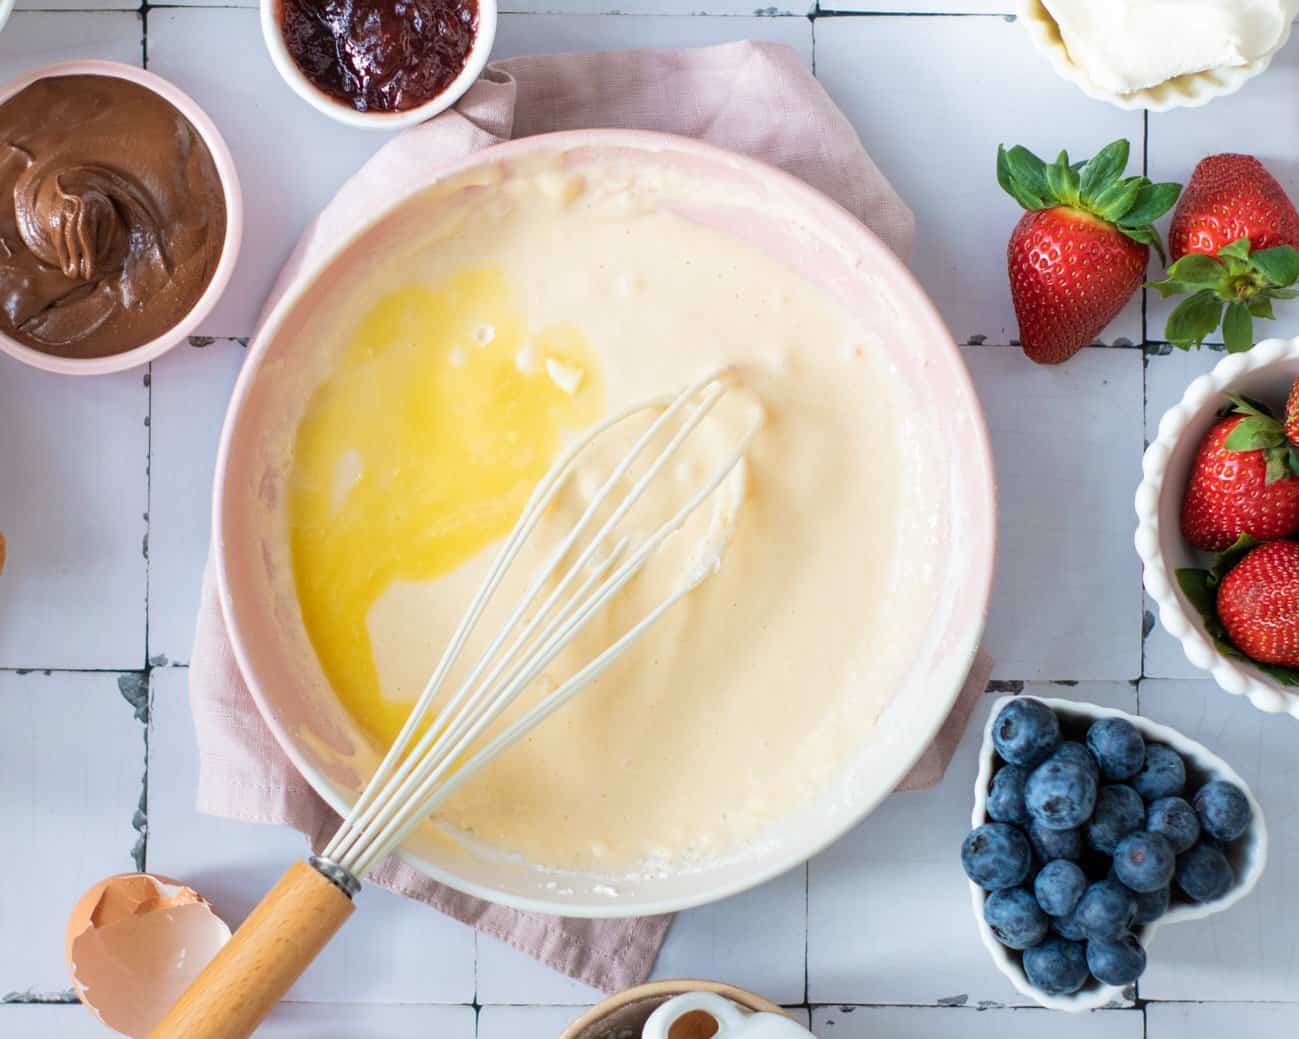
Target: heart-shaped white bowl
[[1190, 91], [1247, 855], [1265, 373]]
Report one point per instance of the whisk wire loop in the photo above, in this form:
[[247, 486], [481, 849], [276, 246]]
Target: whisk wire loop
[[410, 783]]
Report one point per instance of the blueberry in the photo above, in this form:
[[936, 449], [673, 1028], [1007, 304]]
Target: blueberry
[[1058, 887], [1144, 861], [1163, 774], [1055, 844], [1025, 732], [1117, 962], [1106, 910], [1060, 794], [1151, 905], [1119, 811], [1069, 927], [1118, 747], [1057, 966], [1072, 750], [1174, 820], [1204, 873], [1223, 809], [1015, 918], [1006, 796], [996, 856]]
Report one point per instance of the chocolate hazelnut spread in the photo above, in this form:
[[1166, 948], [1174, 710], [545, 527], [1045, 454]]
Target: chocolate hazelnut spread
[[380, 55], [112, 216]]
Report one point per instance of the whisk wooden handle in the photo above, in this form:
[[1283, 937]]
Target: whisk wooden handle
[[263, 959]]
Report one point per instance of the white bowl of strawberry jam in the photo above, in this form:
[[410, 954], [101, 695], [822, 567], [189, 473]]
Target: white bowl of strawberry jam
[[379, 64]]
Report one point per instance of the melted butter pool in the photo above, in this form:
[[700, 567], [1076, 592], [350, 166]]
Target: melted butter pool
[[420, 451]]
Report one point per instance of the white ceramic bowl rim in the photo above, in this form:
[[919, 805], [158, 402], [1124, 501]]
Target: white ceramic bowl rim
[[1189, 91], [837, 220], [475, 63], [225, 167], [1203, 759], [1177, 616]]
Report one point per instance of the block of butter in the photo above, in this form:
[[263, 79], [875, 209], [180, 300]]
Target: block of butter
[[1128, 45]]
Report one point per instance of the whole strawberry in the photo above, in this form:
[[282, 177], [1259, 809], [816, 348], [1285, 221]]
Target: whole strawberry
[[1243, 481], [1230, 197], [1080, 252], [1291, 422], [1258, 603]]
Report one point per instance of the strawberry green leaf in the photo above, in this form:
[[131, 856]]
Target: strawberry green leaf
[[1237, 269], [1279, 265], [1152, 202], [1194, 319], [1195, 586], [1146, 236], [1278, 465], [1063, 181], [1287, 676], [1197, 269], [1173, 288], [1283, 293], [1239, 249], [1238, 328], [1294, 459], [1261, 306], [1254, 434], [1102, 168], [1225, 561], [1023, 176], [1113, 202], [1239, 404]]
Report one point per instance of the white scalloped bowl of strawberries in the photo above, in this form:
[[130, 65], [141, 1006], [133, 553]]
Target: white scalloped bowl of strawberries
[[1266, 375]]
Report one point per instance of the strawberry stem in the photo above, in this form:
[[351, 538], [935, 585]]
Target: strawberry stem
[[1231, 288]]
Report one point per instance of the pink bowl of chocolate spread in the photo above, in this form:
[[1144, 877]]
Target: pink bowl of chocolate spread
[[119, 217]]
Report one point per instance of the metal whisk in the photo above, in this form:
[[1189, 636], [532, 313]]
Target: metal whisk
[[434, 755]]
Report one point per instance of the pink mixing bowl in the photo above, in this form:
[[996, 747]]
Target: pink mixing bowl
[[225, 166], [810, 236]]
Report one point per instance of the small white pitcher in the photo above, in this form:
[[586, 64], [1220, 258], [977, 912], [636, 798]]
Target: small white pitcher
[[732, 1022]]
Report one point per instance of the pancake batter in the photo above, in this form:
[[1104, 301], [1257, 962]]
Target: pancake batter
[[463, 367]]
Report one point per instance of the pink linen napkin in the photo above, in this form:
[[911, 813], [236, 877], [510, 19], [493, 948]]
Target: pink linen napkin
[[753, 98]]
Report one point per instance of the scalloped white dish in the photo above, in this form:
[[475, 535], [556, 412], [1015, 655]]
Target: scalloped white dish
[[1266, 372], [1189, 91], [1248, 855]]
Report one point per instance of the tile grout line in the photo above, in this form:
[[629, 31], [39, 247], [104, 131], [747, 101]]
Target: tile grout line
[[1145, 373]]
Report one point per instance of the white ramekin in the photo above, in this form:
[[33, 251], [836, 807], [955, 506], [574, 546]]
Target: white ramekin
[[1189, 91], [273, 34], [6, 9], [1248, 855], [225, 167], [1266, 372]]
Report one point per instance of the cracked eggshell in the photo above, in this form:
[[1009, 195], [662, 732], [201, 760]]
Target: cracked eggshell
[[134, 943]]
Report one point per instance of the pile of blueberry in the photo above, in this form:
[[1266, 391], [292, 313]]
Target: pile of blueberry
[[1089, 841]]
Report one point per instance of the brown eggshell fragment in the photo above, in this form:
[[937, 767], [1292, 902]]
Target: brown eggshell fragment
[[134, 943]]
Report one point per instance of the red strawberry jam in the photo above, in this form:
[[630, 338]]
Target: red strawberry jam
[[380, 55]]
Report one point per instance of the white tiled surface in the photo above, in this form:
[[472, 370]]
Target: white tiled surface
[[1212, 1021], [969, 1023], [932, 98], [875, 932], [71, 757]]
